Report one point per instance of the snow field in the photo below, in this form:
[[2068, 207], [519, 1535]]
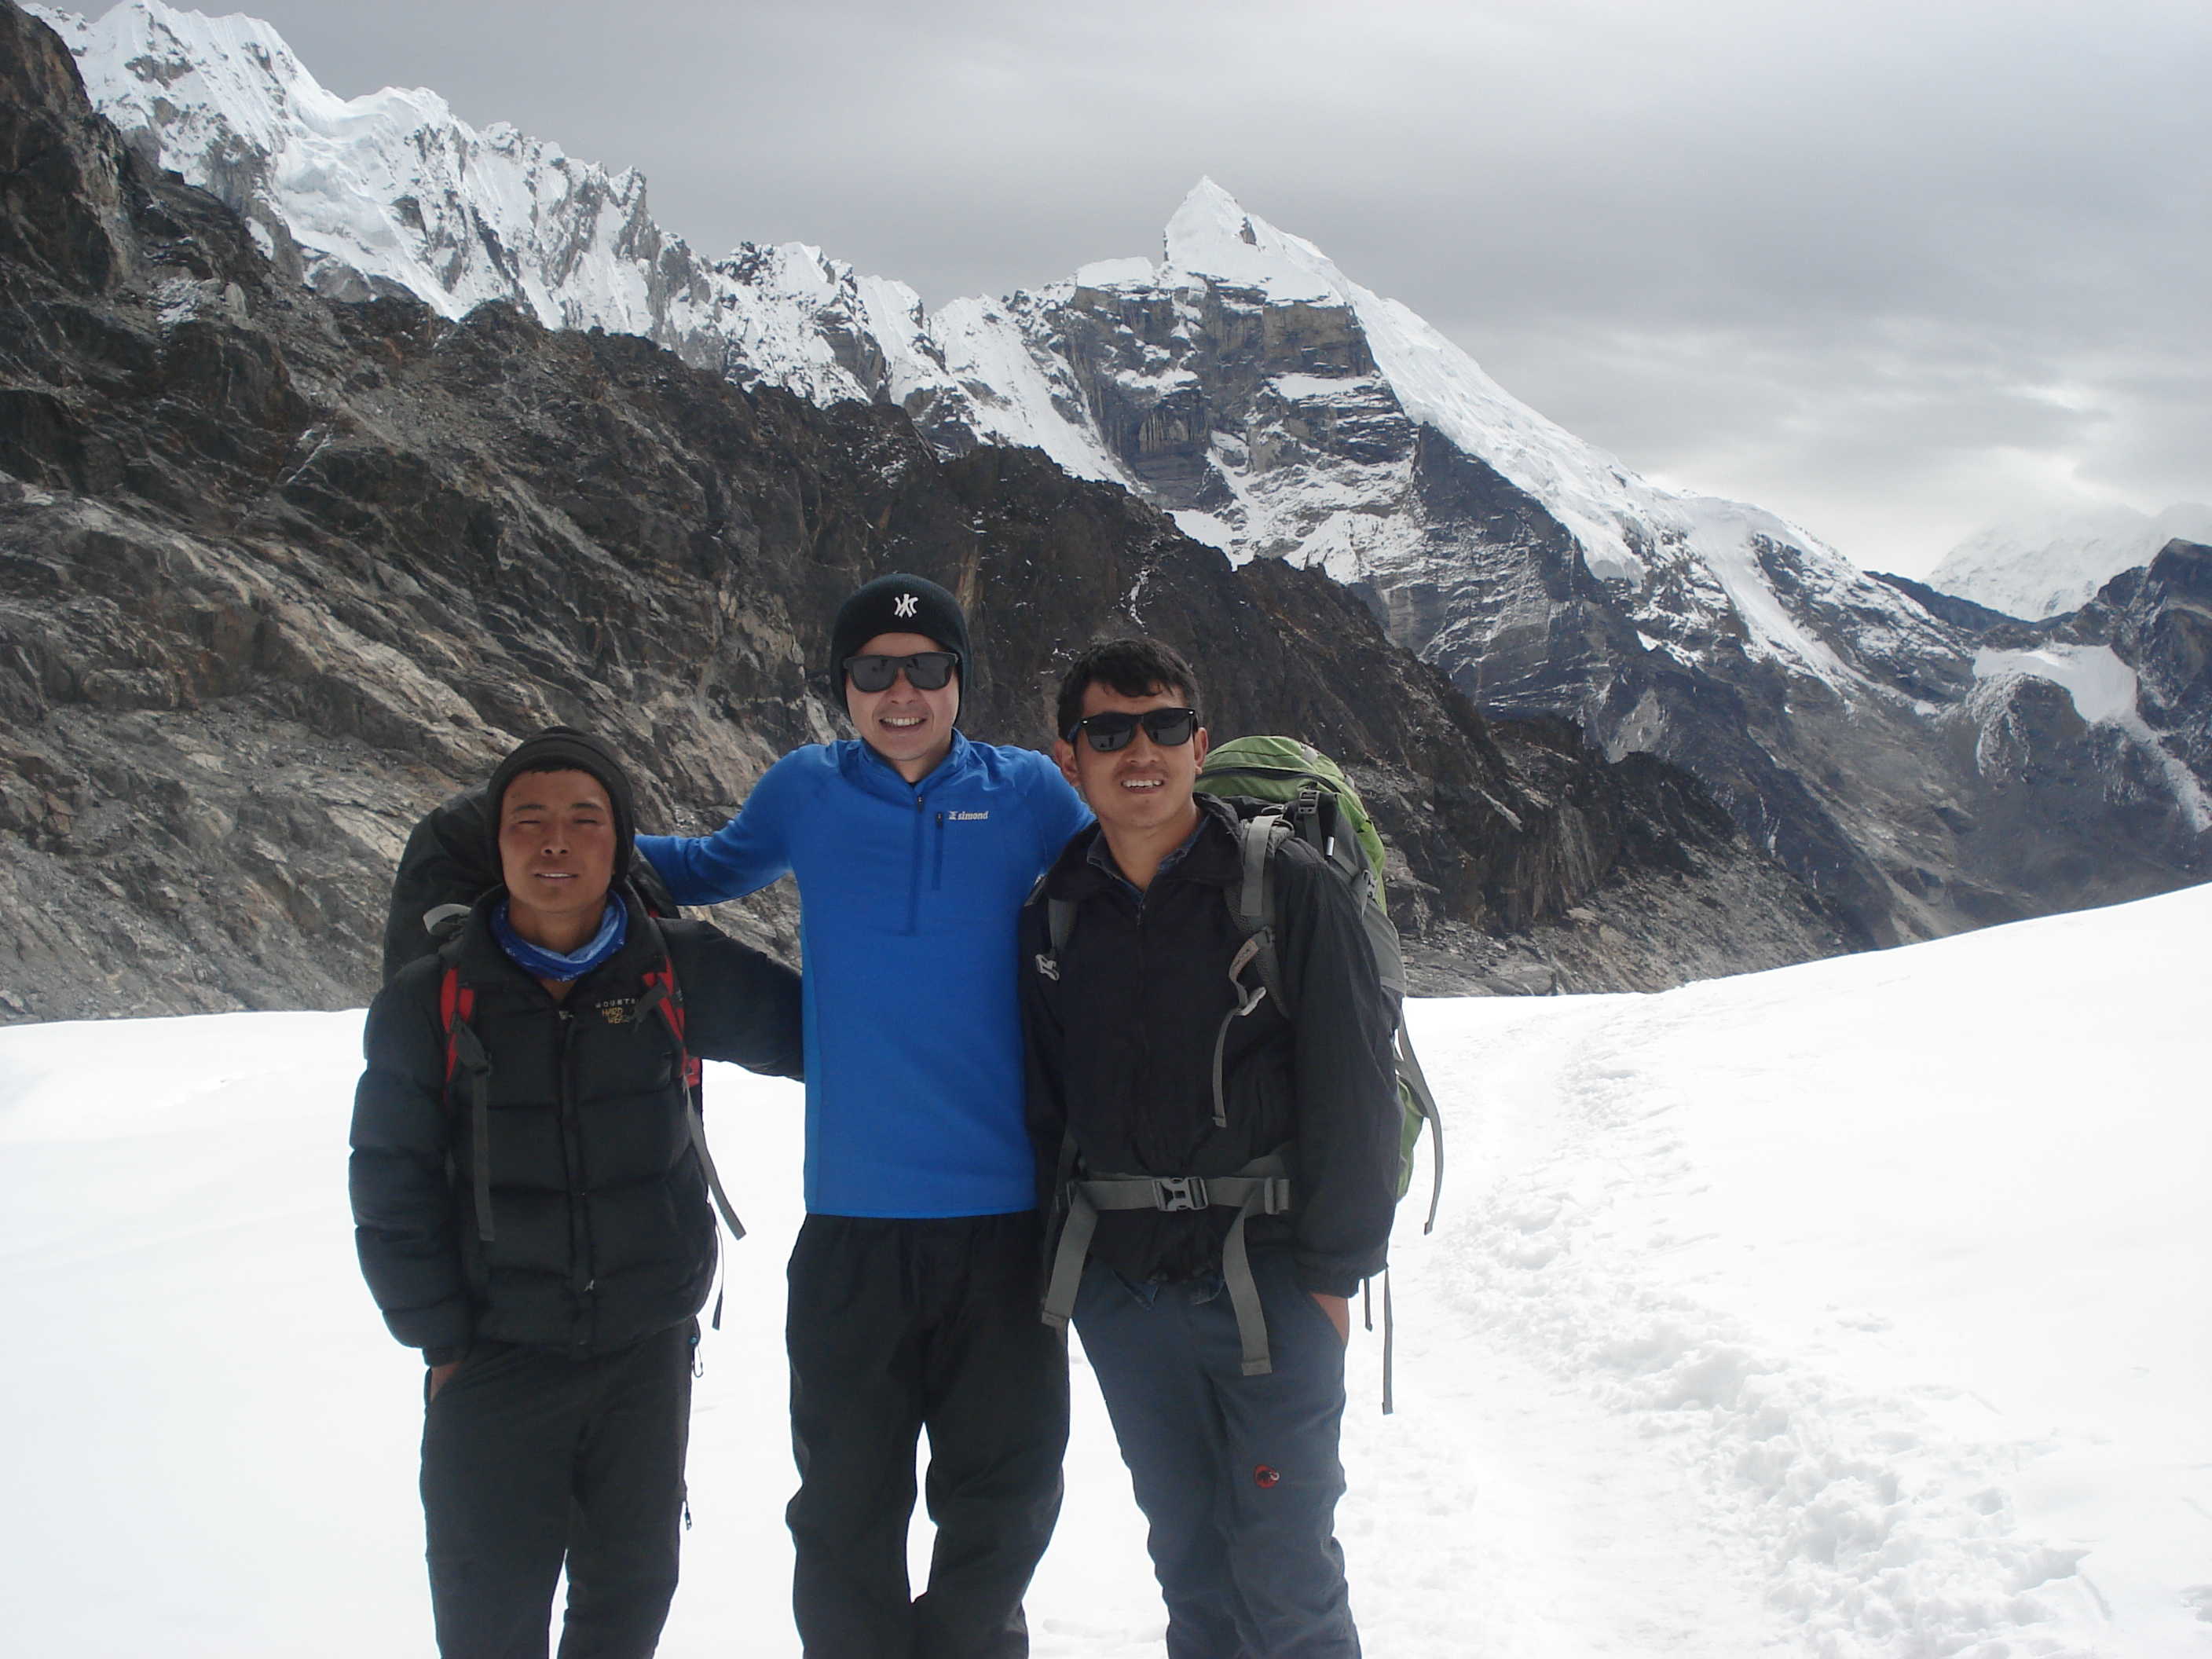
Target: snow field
[[1853, 1309]]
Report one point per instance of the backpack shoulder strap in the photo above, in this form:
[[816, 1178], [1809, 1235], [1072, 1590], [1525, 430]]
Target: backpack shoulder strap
[[465, 1051], [1059, 926], [1252, 904], [664, 996]]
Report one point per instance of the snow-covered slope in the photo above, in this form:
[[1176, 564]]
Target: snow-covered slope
[[2045, 564], [1850, 1311], [393, 192]]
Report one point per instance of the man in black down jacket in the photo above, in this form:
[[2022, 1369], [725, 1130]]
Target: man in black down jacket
[[531, 1208], [1233, 1454]]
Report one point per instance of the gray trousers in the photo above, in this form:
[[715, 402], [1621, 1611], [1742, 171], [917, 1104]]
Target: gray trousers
[[1238, 1475]]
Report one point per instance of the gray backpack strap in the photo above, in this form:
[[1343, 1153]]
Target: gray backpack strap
[[1261, 1188], [442, 921], [1390, 1342], [1237, 1265], [694, 1115], [469, 1053], [1252, 902], [1253, 905], [1060, 923], [1073, 1251], [713, 1180], [1414, 1084]]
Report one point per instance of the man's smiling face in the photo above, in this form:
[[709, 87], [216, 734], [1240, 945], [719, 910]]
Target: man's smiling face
[[911, 729], [557, 854], [1144, 788]]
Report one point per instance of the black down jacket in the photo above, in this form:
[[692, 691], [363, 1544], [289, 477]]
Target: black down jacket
[[1121, 1054], [603, 1232]]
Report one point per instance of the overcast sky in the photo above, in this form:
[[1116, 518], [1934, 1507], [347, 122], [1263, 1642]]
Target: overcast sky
[[1891, 270]]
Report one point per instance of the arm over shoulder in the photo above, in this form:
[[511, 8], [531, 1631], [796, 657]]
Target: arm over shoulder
[[1054, 807], [739, 1005], [746, 853]]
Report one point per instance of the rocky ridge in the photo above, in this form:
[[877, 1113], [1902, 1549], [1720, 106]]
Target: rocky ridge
[[278, 570]]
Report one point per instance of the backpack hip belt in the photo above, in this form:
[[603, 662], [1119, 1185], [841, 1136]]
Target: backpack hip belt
[[1261, 1188]]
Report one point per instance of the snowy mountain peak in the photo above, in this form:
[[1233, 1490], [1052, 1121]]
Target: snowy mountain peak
[[1211, 235], [2043, 564], [389, 193]]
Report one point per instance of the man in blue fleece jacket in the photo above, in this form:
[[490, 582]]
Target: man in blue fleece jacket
[[915, 1282]]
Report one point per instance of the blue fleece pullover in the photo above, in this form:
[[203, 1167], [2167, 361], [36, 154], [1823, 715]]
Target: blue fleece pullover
[[909, 895]]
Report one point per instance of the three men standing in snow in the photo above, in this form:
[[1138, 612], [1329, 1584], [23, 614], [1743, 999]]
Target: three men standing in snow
[[917, 1278]]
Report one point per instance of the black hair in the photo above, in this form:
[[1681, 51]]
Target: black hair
[[1135, 668]]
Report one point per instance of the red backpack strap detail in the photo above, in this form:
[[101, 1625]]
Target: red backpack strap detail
[[449, 996], [670, 1002], [456, 1003]]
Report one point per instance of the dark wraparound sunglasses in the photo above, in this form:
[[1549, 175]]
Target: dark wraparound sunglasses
[[1171, 728], [926, 671]]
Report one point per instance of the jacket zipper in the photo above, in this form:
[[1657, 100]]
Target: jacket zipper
[[937, 869], [913, 886], [1144, 1025], [580, 1278]]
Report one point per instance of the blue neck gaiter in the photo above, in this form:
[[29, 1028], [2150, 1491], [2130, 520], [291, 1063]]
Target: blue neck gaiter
[[536, 960]]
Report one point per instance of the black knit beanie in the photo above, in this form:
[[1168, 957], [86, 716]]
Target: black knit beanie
[[564, 749], [896, 604]]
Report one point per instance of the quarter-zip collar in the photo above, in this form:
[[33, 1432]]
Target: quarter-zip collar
[[863, 767]]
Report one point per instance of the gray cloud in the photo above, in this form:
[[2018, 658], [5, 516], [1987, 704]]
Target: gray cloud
[[1889, 269]]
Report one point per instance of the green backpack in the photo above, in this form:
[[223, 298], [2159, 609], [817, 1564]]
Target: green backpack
[[1282, 787]]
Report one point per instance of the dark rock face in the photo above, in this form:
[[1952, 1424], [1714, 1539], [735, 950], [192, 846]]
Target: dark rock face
[[2158, 620], [1948, 607], [2138, 776], [277, 571]]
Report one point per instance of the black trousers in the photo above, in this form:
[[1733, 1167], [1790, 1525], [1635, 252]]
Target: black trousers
[[1238, 1475], [895, 1327], [530, 1458]]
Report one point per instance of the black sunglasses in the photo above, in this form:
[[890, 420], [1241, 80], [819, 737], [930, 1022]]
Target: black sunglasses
[[926, 671], [1171, 728]]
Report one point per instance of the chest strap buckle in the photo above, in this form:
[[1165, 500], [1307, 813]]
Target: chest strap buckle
[[1179, 1193]]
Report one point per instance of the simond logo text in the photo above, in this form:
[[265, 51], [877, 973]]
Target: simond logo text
[[967, 818]]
